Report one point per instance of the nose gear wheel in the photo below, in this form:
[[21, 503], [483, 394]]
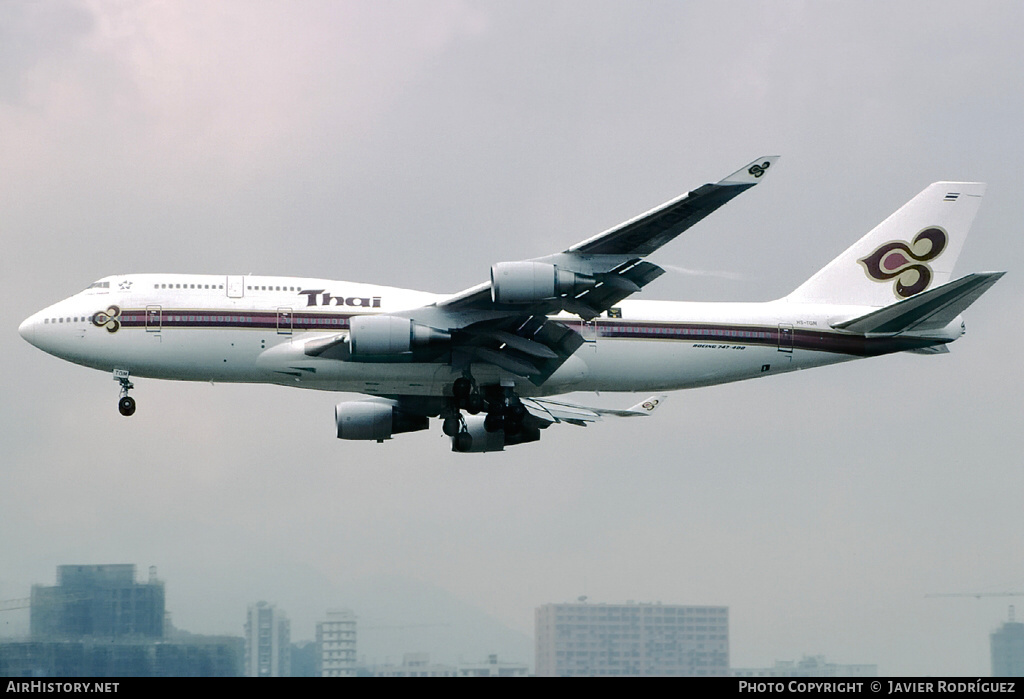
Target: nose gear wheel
[[125, 404]]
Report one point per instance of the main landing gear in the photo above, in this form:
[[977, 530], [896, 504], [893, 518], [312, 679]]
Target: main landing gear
[[504, 412], [125, 404]]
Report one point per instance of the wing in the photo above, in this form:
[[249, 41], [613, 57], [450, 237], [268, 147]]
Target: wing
[[506, 322], [540, 414], [553, 411], [649, 231], [608, 267]]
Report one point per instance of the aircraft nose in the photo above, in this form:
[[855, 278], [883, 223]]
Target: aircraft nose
[[27, 329]]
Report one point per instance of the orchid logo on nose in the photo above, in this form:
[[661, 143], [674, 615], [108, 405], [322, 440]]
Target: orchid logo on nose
[[108, 319], [906, 263]]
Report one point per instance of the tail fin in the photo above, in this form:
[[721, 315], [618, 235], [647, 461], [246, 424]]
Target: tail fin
[[912, 250]]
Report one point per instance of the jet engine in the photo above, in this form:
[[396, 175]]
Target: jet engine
[[375, 419], [383, 334], [528, 282], [477, 439]]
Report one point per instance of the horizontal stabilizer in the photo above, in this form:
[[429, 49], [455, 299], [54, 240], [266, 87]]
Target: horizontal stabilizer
[[934, 349], [929, 310]]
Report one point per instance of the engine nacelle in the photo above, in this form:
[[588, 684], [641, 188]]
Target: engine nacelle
[[377, 420], [480, 440], [383, 334], [528, 282]]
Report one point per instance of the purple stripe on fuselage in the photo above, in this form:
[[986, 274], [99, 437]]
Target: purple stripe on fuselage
[[767, 336]]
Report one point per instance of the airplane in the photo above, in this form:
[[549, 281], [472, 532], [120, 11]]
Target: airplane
[[486, 361]]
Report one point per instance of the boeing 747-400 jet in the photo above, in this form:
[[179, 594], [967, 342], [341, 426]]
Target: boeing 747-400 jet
[[486, 360]]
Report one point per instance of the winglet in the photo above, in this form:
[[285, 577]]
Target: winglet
[[649, 405], [752, 172]]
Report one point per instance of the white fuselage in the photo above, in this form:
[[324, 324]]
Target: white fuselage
[[253, 330]]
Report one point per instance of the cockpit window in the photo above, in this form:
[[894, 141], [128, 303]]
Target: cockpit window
[[99, 285]]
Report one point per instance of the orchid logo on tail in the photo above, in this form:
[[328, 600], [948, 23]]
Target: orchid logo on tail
[[906, 263]]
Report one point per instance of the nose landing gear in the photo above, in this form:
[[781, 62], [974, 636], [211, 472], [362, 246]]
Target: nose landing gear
[[125, 404]]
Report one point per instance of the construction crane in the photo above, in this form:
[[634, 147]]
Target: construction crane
[[400, 627], [977, 595], [12, 604], [26, 602]]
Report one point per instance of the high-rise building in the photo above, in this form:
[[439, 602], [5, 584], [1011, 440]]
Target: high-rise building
[[587, 640], [336, 644], [98, 601], [267, 642], [197, 656], [99, 622], [1008, 649]]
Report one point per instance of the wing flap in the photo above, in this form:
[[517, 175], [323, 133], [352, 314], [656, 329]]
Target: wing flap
[[533, 347], [612, 287], [553, 411]]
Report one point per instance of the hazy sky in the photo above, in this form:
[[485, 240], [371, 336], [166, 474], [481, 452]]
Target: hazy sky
[[415, 144]]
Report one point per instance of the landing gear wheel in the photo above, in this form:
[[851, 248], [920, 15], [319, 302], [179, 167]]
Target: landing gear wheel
[[451, 426], [493, 422], [126, 406], [462, 388], [463, 441], [475, 404], [513, 426]]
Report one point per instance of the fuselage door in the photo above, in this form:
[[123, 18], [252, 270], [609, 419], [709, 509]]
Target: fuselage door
[[785, 338], [235, 286], [284, 321], [154, 319]]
